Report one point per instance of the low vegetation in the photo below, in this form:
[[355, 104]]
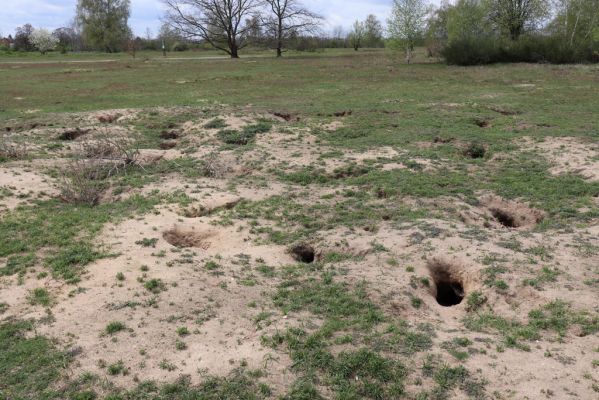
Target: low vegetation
[[375, 238]]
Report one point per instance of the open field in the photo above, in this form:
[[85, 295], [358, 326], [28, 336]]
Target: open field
[[338, 226]]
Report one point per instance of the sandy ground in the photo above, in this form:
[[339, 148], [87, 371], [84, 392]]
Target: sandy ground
[[219, 306]]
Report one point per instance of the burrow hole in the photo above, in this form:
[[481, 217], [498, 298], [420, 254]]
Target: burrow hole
[[449, 288], [505, 218], [303, 253]]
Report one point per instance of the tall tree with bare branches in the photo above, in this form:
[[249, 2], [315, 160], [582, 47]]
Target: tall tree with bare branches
[[289, 18], [221, 23]]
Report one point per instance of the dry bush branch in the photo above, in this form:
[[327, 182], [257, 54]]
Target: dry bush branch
[[116, 151], [84, 182], [12, 151], [212, 167]]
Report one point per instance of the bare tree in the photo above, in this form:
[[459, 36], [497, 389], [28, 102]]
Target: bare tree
[[289, 18], [221, 23]]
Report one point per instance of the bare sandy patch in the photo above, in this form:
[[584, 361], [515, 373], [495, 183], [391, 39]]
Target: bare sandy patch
[[24, 184], [570, 155]]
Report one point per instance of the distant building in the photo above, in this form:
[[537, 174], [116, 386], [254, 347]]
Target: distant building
[[7, 42]]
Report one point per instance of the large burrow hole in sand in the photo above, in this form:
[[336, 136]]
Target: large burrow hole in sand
[[448, 282], [303, 253], [505, 218], [512, 214], [187, 238]]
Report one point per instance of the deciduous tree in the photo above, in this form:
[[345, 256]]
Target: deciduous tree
[[514, 17], [224, 24], [22, 36], [104, 23], [373, 31], [289, 17], [407, 23], [356, 35], [43, 40]]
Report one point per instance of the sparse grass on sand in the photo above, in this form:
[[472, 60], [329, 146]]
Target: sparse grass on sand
[[333, 225]]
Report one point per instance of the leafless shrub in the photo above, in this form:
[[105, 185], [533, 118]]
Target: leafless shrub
[[116, 151], [84, 182], [212, 167], [85, 179], [12, 151]]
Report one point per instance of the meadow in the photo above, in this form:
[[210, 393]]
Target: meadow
[[330, 225]]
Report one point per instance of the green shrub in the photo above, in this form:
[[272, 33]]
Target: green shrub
[[114, 327], [530, 48]]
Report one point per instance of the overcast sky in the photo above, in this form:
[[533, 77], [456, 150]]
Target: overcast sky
[[53, 14]]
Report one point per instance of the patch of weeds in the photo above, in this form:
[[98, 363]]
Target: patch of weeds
[[114, 327], [145, 242], [155, 286], [238, 385], [3, 307], [212, 266], [68, 263], [235, 137], [18, 264], [182, 331], [216, 123], [120, 276], [116, 369], [342, 309], [329, 299], [379, 377], [475, 300], [66, 231], [556, 316], [457, 347], [180, 345], [335, 257], [546, 275], [416, 301], [167, 365], [398, 339], [40, 296], [30, 364], [266, 270], [259, 127], [262, 319], [303, 390]]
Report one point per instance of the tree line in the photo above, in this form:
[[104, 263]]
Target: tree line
[[466, 32]]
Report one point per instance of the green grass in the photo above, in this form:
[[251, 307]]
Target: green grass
[[29, 364], [65, 231], [32, 367], [40, 296], [246, 136], [348, 316], [555, 317], [430, 113]]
